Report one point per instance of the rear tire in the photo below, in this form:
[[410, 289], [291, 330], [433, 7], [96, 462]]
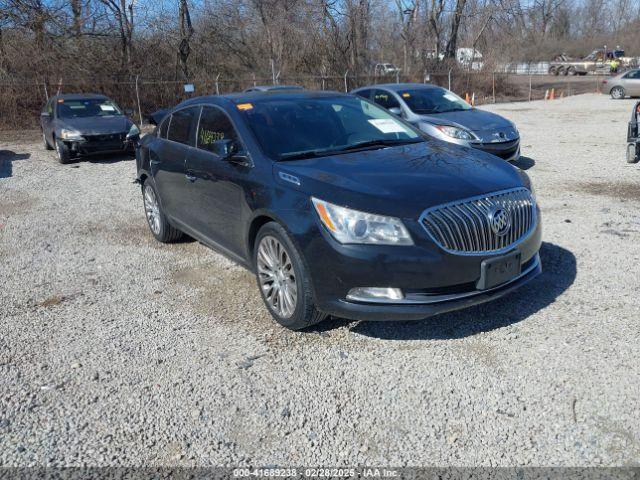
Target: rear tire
[[64, 154], [561, 71], [158, 223], [283, 279], [632, 153], [553, 71], [571, 71], [617, 93]]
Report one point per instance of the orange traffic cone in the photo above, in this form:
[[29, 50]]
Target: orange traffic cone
[[552, 96], [466, 97], [546, 94], [473, 99]]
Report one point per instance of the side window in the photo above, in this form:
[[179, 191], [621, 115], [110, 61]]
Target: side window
[[385, 99], [164, 127], [181, 124], [633, 75], [214, 126], [364, 93]]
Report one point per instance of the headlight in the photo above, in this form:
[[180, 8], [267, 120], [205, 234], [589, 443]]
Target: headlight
[[352, 226], [133, 131], [68, 134], [456, 132]]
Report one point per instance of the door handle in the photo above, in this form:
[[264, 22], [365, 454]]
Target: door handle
[[190, 177]]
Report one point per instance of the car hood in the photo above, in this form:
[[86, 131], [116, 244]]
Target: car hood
[[484, 124], [97, 125], [403, 181]]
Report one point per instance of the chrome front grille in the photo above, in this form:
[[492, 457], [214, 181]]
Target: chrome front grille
[[477, 225]]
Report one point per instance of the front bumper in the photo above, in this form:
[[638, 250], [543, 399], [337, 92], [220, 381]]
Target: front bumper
[[433, 281], [509, 151], [115, 143]]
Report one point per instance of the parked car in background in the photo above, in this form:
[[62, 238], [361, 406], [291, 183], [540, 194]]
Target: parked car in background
[[626, 84], [272, 88], [82, 124], [385, 69], [338, 206], [442, 114]]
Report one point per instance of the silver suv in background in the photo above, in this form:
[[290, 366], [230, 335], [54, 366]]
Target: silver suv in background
[[442, 114]]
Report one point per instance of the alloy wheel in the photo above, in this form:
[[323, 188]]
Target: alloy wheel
[[617, 93], [277, 277], [152, 209]]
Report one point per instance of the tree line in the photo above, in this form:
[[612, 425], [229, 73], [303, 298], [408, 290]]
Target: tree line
[[180, 39]]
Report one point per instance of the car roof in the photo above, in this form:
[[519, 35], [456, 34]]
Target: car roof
[[397, 87], [81, 96], [256, 96]]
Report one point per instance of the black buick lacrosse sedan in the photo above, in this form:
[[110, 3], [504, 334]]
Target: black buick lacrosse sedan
[[338, 207]]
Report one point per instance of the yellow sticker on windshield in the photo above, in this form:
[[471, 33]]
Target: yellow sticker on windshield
[[244, 106], [406, 95]]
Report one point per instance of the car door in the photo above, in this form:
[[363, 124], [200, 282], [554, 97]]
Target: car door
[[168, 161], [632, 83], [216, 191]]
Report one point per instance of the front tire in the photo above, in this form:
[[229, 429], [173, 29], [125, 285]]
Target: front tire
[[63, 152], [283, 279], [158, 223], [617, 93]]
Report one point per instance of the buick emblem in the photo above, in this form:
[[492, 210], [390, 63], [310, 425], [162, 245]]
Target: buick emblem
[[500, 220]]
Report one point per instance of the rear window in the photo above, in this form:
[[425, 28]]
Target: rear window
[[181, 125]]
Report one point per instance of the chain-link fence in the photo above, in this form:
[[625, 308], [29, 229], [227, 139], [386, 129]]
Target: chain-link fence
[[21, 100]]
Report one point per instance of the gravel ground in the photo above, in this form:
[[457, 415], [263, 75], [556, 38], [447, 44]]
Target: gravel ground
[[117, 350]]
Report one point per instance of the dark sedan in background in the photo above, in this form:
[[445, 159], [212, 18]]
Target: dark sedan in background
[[338, 206], [82, 124], [442, 114]]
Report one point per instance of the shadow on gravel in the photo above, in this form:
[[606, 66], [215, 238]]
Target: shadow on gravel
[[524, 163], [108, 158], [558, 273], [6, 159]]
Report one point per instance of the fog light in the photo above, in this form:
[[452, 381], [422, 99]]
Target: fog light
[[373, 294]]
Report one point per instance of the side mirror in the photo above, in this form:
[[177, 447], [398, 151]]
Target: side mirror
[[226, 148], [396, 111], [129, 112]]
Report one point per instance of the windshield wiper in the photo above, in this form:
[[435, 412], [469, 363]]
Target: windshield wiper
[[303, 155], [338, 151], [377, 143]]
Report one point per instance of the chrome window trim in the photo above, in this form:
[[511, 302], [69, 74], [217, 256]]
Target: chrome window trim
[[523, 237]]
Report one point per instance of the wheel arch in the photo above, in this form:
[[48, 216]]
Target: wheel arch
[[254, 227]]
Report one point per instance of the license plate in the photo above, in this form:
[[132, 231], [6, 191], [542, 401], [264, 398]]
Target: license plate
[[499, 270]]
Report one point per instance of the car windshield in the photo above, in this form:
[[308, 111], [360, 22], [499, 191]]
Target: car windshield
[[305, 127], [433, 100], [90, 107]]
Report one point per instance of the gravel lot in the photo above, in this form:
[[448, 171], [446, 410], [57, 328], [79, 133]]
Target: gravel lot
[[117, 350]]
